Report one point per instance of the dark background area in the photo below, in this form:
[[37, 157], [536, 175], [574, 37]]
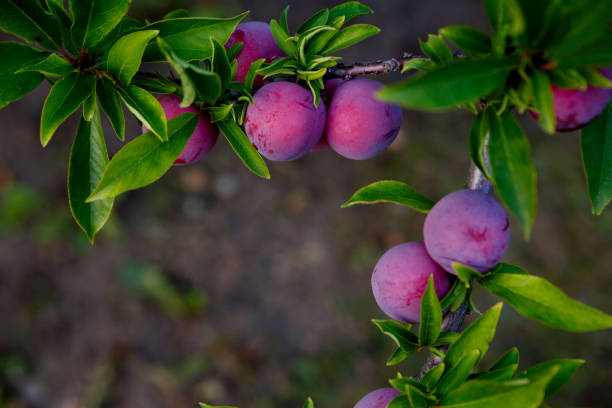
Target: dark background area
[[213, 285]]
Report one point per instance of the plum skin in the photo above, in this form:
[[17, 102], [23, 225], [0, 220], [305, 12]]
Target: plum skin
[[400, 278], [468, 227], [379, 398], [258, 42], [328, 93], [359, 126], [203, 138], [283, 123]]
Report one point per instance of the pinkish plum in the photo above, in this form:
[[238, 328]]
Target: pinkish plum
[[468, 227], [358, 125], [283, 123], [379, 398], [400, 279], [258, 42], [203, 138]]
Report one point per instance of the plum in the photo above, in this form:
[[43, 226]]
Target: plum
[[358, 125], [379, 398], [468, 227], [283, 123], [258, 42], [203, 138], [328, 93], [400, 279]]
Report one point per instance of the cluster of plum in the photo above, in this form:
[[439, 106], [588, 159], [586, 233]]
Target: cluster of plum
[[283, 123], [468, 227]]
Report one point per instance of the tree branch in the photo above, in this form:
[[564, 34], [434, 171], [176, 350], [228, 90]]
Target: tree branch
[[371, 68]]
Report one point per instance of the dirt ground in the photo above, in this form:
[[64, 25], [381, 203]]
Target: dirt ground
[[213, 285]]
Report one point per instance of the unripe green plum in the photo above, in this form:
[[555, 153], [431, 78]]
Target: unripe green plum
[[468, 227], [359, 126], [258, 42], [204, 136], [283, 123], [400, 279], [379, 398]]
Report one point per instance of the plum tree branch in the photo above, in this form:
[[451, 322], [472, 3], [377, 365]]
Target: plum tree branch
[[371, 68]]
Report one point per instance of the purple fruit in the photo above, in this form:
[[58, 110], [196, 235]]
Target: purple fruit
[[258, 43], [468, 227], [378, 398], [283, 123], [358, 125], [203, 138], [400, 279]]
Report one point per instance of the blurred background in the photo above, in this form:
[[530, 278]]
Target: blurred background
[[214, 285]]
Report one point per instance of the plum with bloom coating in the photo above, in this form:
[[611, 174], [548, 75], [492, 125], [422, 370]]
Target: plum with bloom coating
[[400, 279], [203, 138], [283, 124], [468, 227], [379, 398]]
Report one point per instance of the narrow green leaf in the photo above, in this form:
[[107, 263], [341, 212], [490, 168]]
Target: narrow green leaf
[[244, 149], [449, 85], [598, 54], [284, 23], [513, 173], [28, 20], [567, 368], [65, 98], [390, 191], [146, 108], [125, 26], [155, 85], [349, 10], [88, 159], [477, 336], [220, 63], [282, 39], [309, 403], [437, 49], [596, 147], [94, 19], [145, 159], [188, 88], [190, 38], [510, 358], [508, 268], [13, 85], [219, 113], [64, 21], [543, 100], [179, 13], [249, 79], [506, 14], [90, 106], [432, 377], [318, 19], [416, 397], [431, 315], [457, 375], [349, 36], [203, 405], [111, 104], [207, 84], [320, 40], [397, 357], [52, 66], [498, 374], [478, 141], [125, 56], [400, 383], [446, 338], [466, 273], [401, 335], [538, 299], [400, 401], [568, 78], [472, 40]]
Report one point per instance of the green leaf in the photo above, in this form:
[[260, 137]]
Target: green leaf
[[309, 403], [458, 373], [567, 368], [282, 39], [592, 76], [349, 36], [304, 38], [513, 173], [65, 98], [432, 377], [400, 401], [146, 108], [88, 158], [180, 67], [89, 106], [125, 26], [400, 383], [466, 273], [472, 40], [597, 54], [568, 78], [318, 19], [94, 19], [478, 141], [283, 20], [437, 49], [219, 113], [52, 66], [390, 191], [506, 14], [543, 100], [449, 85], [397, 357], [401, 335], [251, 74], [244, 149], [155, 85], [125, 56], [507, 268], [416, 397], [510, 358], [64, 21], [190, 38], [446, 338], [477, 336], [349, 10], [207, 84], [28, 20], [498, 374], [203, 405], [420, 64], [179, 13], [13, 85], [507, 394], [431, 315], [220, 64], [596, 146], [538, 299], [109, 100], [145, 159], [320, 40]]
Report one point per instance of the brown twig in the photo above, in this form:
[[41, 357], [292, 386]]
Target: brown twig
[[371, 68]]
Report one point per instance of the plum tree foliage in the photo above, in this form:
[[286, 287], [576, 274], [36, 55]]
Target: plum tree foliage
[[280, 92]]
